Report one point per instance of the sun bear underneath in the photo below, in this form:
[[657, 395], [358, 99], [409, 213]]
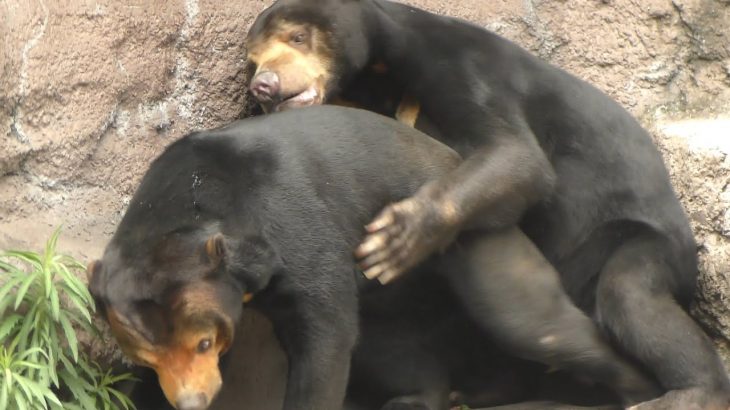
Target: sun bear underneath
[[271, 207], [542, 149]]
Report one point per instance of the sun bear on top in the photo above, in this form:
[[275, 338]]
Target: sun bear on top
[[542, 148]]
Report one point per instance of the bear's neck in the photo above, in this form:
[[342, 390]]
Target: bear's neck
[[400, 39]]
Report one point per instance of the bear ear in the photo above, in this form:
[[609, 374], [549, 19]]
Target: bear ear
[[215, 248], [92, 269]]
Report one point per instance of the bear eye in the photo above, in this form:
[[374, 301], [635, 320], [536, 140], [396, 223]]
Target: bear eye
[[299, 38], [204, 345]]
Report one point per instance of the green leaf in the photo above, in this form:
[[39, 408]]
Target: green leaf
[[42, 393], [30, 321], [25, 387], [87, 327], [24, 363], [33, 328], [75, 284], [113, 379], [20, 402], [5, 298], [70, 334], [32, 258], [31, 351], [50, 396], [4, 396], [79, 390], [12, 280], [9, 285], [73, 263], [55, 305], [105, 399], [88, 369], [86, 400], [47, 280], [4, 266], [51, 244], [81, 305], [68, 366], [8, 325], [124, 401], [4, 304], [63, 406], [24, 289], [8, 381], [54, 350], [53, 372]]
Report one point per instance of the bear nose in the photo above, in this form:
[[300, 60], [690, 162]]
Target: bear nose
[[265, 86], [192, 402]]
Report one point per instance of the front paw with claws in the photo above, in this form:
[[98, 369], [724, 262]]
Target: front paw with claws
[[403, 235]]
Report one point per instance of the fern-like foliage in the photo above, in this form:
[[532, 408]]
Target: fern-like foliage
[[43, 303]]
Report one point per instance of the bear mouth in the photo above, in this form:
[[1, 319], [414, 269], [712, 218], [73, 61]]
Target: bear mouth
[[308, 97]]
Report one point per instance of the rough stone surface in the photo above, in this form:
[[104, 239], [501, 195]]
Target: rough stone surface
[[91, 92]]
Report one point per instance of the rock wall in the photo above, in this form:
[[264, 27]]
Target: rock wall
[[92, 91]]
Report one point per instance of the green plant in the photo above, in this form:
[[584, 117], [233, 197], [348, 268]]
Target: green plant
[[42, 303]]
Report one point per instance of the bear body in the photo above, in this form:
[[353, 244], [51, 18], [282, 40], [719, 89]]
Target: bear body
[[272, 207], [541, 148]]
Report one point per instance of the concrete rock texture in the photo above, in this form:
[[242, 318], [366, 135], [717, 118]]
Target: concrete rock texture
[[92, 91]]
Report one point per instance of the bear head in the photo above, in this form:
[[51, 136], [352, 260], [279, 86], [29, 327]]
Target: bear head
[[304, 50]]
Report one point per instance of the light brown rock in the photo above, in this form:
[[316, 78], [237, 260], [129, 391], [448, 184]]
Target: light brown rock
[[90, 92]]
